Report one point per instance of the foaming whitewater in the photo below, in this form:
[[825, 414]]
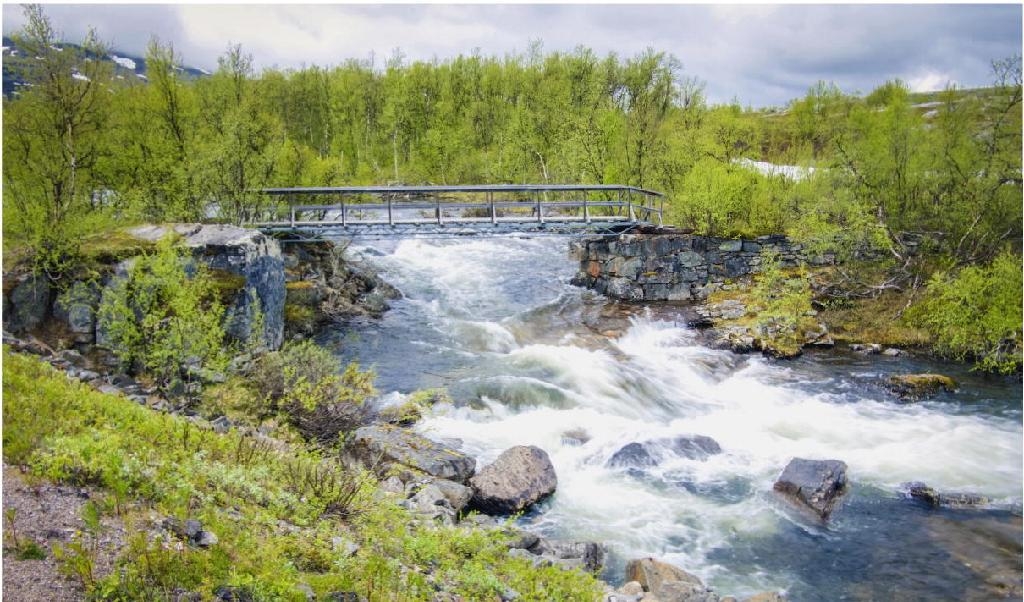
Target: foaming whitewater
[[496, 322]]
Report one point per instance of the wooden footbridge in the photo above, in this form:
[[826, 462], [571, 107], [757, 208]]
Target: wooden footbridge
[[433, 211]]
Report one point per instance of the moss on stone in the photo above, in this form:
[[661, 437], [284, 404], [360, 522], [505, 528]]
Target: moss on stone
[[114, 246], [917, 386], [299, 318], [227, 283]]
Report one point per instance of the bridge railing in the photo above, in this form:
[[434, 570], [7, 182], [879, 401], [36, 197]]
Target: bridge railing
[[472, 204]]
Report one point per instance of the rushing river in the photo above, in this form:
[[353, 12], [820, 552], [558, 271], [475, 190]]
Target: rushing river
[[532, 360]]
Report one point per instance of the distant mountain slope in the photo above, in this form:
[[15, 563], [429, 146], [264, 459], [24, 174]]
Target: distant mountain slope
[[126, 66]]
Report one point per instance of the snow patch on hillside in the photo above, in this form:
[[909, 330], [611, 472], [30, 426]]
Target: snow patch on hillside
[[792, 172], [125, 62]]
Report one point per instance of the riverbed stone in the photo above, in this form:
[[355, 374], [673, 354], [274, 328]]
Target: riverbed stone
[[520, 477], [989, 546], [653, 574], [632, 455], [952, 499], [583, 555], [650, 453], [912, 387], [817, 485], [390, 445]]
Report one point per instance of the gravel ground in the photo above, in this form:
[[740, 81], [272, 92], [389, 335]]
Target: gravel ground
[[48, 514]]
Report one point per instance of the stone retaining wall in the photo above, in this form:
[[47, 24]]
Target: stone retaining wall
[[675, 267]]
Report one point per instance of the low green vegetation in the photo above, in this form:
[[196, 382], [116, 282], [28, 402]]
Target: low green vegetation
[[277, 510], [781, 300], [921, 189]]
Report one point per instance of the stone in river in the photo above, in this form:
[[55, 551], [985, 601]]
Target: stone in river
[[817, 485]]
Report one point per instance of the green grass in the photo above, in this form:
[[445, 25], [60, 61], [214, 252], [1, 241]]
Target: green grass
[[275, 508]]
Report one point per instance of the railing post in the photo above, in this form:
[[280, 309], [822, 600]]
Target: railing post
[[494, 213], [586, 209], [292, 212], [437, 209], [391, 219], [540, 215], [629, 205], [344, 217]]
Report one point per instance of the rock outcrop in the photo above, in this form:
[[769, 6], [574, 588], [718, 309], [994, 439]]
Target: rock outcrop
[[380, 447], [248, 261], [520, 477], [27, 303], [814, 485], [323, 285], [245, 253]]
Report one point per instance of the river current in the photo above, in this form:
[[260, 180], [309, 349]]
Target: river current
[[531, 360]]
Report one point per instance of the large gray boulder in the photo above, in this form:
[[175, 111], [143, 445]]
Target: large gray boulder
[[250, 254], [380, 446], [520, 477], [815, 485]]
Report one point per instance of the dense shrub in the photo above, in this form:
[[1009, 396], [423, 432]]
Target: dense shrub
[[164, 315], [303, 381], [782, 299], [976, 313]]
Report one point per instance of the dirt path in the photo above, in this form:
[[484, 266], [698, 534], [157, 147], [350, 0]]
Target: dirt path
[[47, 514]]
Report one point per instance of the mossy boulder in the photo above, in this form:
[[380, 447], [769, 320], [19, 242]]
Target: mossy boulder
[[912, 387]]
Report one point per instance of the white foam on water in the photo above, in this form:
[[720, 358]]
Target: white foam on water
[[658, 382]]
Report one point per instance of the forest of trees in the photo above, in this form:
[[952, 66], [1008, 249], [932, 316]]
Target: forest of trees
[[933, 190]]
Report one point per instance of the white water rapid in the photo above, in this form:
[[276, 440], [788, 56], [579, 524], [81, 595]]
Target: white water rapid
[[529, 361]]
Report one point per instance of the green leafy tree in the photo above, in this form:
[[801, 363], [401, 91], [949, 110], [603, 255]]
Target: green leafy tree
[[53, 141], [242, 139]]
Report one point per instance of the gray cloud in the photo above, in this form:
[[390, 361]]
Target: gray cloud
[[758, 54]]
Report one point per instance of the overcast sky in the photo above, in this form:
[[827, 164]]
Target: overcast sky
[[759, 54]]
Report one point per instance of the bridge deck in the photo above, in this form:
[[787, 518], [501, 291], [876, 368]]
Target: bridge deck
[[376, 210]]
